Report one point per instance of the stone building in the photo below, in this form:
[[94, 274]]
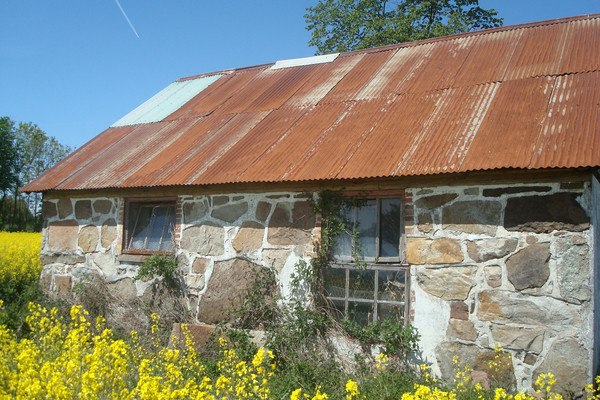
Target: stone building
[[478, 154]]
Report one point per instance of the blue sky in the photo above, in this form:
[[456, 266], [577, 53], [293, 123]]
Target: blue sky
[[74, 67]]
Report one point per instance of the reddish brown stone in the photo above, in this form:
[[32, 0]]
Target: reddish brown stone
[[62, 235], [88, 238], [199, 265], [459, 310]]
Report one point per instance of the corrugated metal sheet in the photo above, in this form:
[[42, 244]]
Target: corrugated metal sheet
[[166, 101], [521, 97]]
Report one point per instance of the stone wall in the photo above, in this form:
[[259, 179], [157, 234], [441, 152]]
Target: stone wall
[[489, 264], [223, 241], [506, 265]]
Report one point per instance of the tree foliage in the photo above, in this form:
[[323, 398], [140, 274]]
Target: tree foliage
[[27, 152], [344, 25]]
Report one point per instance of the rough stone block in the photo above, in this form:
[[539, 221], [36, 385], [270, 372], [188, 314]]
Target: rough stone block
[[102, 206], [63, 284], [502, 306], [425, 222], [49, 209], [194, 212], [194, 283], [493, 275], [474, 216], [517, 337], [567, 360], [199, 334], [572, 269], [461, 329], [230, 212], [206, 239], [108, 233], [88, 238], [123, 289], [262, 211], [459, 310], [529, 267], [451, 283], [228, 281], [65, 208], [58, 258], [83, 209], [291, 227], [437, 251], [544, 214], [62, 235], [200, 265], [249, 237], [489, 249]]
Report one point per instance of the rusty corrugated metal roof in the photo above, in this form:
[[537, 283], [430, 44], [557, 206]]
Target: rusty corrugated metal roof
[[520, 97]]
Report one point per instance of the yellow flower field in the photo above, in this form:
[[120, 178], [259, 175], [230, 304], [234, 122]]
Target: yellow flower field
[[20, 257]]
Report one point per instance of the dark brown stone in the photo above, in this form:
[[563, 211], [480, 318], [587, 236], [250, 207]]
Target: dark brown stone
[[544, 214], [228, 281], [65, 208], [474, 216], [438, 200], [262, 211], [220, 200], [515, 189], [529, 267], [530, 359], [471, 191], [230, 212], [237, 198], [102, 206], [49, 209], [62, 235], [459, 310], [193, 212], [278, 196], [83, 209]]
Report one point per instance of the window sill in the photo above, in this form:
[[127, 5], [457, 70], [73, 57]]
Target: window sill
[[134, 258]]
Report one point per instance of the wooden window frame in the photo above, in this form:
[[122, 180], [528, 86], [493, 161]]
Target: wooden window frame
[[129, 227]]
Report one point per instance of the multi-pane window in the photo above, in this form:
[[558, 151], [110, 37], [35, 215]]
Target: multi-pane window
[[376, 287], [150, 226]]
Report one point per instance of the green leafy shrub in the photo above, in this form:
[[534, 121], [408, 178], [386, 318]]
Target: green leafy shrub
[[163, 265]]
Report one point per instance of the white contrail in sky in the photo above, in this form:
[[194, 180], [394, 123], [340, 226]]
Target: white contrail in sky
[[127, 18]]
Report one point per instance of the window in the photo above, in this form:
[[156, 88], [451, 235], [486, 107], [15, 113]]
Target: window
[[150, 226], [377, 289]]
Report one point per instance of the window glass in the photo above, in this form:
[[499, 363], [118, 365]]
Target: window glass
[[394, 312], [361, 313], [334, 282], [391, 285], [361, 283], [152, 226], [390, 227], [366, 219]]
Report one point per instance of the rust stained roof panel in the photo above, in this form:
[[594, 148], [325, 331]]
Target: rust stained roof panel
[[510, 129], [331, 152], [565, 140], [275, 163], [251, 147], [177, 153], [400, 129], [79, 159], [355, 80], [142, 143], [213, 148]]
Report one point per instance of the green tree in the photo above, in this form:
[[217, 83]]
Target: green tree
[[8, 166], [344, 25], [37, 153]]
